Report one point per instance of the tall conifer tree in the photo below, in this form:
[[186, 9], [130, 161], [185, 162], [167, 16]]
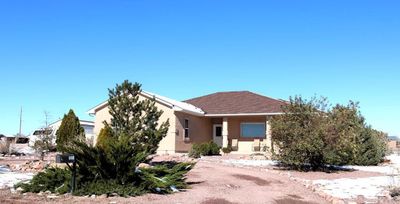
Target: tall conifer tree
[[69, 131]]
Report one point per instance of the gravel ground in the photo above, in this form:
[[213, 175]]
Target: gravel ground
[[242, 179], [210, 183]]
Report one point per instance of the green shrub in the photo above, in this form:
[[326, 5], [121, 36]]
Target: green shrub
[[394, 191], [69, 131], [159, 179], [56, 180], [227, 150], [104, 137], [309, 135], [111, 167], [204, 149], [300, 136], [108, 187], [372, 148]]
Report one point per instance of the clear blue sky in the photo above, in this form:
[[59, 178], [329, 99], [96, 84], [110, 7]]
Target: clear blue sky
[[56, 55]]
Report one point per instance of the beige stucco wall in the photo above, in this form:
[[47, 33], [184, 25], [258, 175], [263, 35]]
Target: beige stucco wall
[[167, 144], [245, 145], [392, 145], [100, 116], [234, 126], [200, 130]]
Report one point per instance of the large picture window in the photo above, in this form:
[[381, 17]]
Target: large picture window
[[252, 130]]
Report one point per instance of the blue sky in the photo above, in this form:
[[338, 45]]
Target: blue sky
[[56, 55]]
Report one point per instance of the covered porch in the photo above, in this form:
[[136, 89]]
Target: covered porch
[[243, 134]]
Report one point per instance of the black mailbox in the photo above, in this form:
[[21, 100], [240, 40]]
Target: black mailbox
[[65, 158], [68, 158]]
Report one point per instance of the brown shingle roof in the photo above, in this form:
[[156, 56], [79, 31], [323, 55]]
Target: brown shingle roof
[[236, 102]]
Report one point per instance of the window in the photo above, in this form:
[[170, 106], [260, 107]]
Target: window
[[218, 131], [186, 127], [252, 130], [88, 129], [43, 131]]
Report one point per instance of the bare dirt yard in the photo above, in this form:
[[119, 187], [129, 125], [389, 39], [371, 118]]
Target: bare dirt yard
[[211, 182], [229, 179]]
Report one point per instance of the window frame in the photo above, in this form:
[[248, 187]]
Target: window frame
[[215, 126], [264, 136], [186, 129]]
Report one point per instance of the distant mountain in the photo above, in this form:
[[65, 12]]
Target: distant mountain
[[393, 138]]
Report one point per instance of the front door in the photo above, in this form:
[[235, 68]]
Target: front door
[[217, 134]]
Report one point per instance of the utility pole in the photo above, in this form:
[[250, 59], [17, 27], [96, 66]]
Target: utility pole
[[20, 123]]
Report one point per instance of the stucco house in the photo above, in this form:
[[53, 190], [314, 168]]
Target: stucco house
[[88, 126], [240, 119]]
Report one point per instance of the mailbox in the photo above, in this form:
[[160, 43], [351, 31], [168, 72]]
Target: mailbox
[[68, 158], [65, 158]]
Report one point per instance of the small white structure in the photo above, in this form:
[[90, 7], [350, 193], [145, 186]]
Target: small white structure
[[88, 126]]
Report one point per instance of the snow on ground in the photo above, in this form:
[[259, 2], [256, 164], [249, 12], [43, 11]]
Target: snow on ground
[[386, 169], [370, 187], [22, 149], [8, 178], [241, 162], [392, 168]]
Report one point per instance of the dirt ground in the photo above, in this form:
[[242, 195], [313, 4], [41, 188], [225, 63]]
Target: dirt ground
[[210, 183]]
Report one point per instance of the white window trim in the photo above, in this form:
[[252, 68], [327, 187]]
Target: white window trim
[[215, 130], [257, 123]]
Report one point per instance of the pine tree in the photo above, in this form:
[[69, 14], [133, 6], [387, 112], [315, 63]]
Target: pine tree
[[128, 140], [105, 137], [112, 166], [134, 118], [69, 131]]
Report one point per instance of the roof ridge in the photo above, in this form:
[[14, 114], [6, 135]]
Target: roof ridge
[[278, 99], [218, 92]]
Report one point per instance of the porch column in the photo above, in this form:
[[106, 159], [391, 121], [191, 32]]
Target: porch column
[[225, 132], [268, 133]]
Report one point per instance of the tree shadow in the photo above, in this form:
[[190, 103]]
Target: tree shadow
[[194, 182], [291, 201], [308, 168]]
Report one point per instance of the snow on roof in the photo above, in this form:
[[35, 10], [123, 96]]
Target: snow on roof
[[82, 122], [174, 104]]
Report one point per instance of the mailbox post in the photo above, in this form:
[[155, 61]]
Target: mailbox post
[[69, 158]]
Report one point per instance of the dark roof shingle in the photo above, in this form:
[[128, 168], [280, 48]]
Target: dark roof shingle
[[236, 102]]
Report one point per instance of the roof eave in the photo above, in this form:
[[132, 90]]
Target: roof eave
[[149, 95], [242, 114], [178, 109], [93, 110]]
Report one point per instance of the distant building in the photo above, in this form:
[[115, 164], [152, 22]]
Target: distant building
[[88, 126], [7, 139], [393, 143], [14, 139]]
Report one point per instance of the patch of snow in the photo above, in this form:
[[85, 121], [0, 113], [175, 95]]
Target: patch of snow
[[243, 162], [22, 149], [346, 188], [4, 169], [379, 169], [394, 159], [392, 168], [370, 187], [8, 178]]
